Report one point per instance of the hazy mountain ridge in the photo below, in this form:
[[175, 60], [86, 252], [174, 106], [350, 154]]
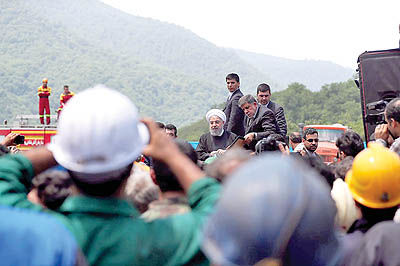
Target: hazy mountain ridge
[[150, 40], [169, 72], [312, 73]]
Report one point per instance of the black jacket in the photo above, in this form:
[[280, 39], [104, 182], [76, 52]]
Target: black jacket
[[264, 124], [208, 144], [234, 114], [280, 117]]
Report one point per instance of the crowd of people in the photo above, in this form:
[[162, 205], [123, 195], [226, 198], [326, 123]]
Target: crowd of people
[[114, 189]]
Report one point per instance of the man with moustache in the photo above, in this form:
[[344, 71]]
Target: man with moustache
[[260, 121], [310, 141]]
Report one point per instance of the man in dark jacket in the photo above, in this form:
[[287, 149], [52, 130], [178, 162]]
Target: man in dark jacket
[[310, 142], [260, 121], [263, 98], [234, 115]]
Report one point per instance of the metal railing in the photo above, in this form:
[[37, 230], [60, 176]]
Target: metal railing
[[29, 121]]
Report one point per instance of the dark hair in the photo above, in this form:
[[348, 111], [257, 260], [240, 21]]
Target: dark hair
[[341, 168], [350, 143], [263, 87], [53, 187], [246, 99], [101, 189], [309, 131], [392, 110], [374, 216], [324, 170], [295, 137], [172, 127], [66, 86], [166, 180], [160, 125], [233, 76]]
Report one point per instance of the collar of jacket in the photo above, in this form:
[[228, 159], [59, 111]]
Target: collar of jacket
[[231, 93], [256, 113], [108, 206]]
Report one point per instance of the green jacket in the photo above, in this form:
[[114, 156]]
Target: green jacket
[[110, 231]]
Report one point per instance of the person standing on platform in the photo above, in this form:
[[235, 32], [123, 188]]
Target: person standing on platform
[[44, 92], [64, 98], [234, 115]]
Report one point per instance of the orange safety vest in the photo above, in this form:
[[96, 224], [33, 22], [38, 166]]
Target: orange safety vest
[[44, 91], [64, 98]]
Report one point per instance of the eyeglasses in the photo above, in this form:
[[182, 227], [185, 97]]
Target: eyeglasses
[[312, 140]]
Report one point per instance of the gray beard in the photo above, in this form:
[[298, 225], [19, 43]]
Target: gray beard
[[217, 132]]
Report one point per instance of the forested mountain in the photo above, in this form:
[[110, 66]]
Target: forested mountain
[[312, 73], [169, 72], [334, 103]]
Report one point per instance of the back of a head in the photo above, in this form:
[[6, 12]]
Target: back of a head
[[29, 237], [350, 143], [285, 213], [341, 168], [295, 137], [392, 110], [98, 145], [53, 187], [166, 180], [318, 165], [140, 188]]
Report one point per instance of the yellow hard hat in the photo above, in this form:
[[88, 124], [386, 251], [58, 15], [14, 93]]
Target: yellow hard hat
[[44, 80], [374, 180]]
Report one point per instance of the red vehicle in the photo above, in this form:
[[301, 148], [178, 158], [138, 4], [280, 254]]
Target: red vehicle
[[327, 135], [34, 135]]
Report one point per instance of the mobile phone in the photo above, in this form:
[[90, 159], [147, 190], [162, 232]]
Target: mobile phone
[[19, 139]]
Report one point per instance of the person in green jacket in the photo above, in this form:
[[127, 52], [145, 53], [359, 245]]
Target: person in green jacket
[[99, 137]]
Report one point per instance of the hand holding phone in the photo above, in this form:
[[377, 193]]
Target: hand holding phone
[[20, 139]]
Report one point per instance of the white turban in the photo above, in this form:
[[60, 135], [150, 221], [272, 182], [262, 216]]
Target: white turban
[[346, 208], [216, 112]]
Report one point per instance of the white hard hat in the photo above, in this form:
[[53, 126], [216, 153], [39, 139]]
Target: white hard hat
[[98, 132]]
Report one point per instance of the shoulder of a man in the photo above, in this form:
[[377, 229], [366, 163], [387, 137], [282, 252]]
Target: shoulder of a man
[[236, 95], [205, 137], [265, 111], [395, 146], [277, 106]]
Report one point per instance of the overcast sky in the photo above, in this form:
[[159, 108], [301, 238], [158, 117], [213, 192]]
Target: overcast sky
[[335, 30]]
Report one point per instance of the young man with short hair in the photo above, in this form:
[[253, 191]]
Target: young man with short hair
[[234, 115], [264, 98]]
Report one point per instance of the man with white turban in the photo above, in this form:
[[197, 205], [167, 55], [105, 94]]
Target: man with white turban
[[217, 139]]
